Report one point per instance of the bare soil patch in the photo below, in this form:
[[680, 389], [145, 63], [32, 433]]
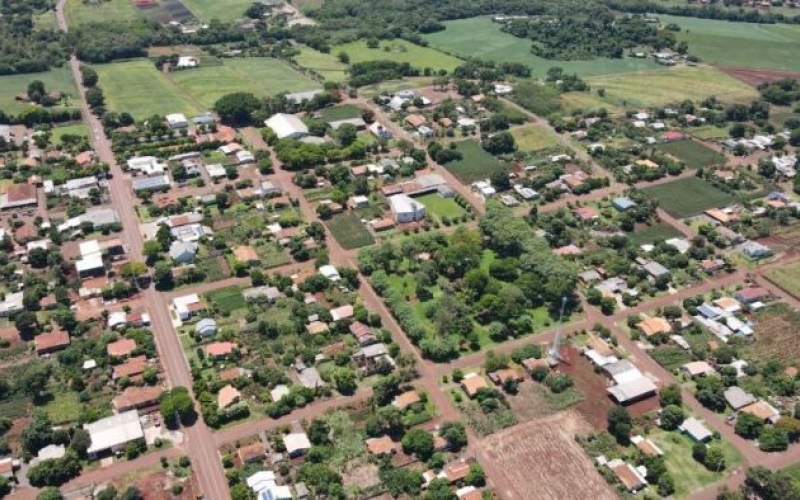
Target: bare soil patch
[[757, 77], [363, 475], [542, 460], [528, 403]]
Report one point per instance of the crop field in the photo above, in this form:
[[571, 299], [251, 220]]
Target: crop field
[[11, 85], [349, 231], [440, 207], [258, 75], [741, 45], [79, 12], [533, 138], [693, 154], [689, 196], [476, 164], [776, 334], [658, 88], [326, 65], [227, 300], [399, 51], [540, 459], [642, 235], [482, 39], [229, 10], [140, 89], [345, 112]]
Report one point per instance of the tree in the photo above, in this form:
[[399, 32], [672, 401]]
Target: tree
[[715, 458], [666, 485], [80, 442], [419, 442], [671, 417], [5, 486], [37, 258], [476, 476], [54, 472], [619, 424], [343, 57], [399, 480], [699, 452], [50, 493], [88, 76], [346, 134], [38, 433], [236, 109], [176, 405], [500, 143], [764, 484], [345, 380], [749, 426], [318, 432], [36, 90], [95, 98], [163, 277], [33, 378], [27, 323], [500, 180], [439, 489], [455, 434], [773, 439], [671, 395]]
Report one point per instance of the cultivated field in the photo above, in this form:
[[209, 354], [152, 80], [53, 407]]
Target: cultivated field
[[399, 51], [327, 65], [79, 12], [349, 231], [658, 88], [689, 196], [227, 300], [140, 89], [741, 45], [10, 85], [541, 460], [533, 138], [693, 154], [229, 10], [476, 164], [649, 234], [776, 334], [481, 38]]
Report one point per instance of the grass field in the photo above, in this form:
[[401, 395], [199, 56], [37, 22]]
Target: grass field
[[74, 129], [440, 207], [688, 196], [787, 277], [657, 88], [392, 86], [335, 113], [64, 407], [586, 101], [482, 39], [349, 231], [138, 88], [229, 10], [77, 12], [745, 45], [709, 132], [476, 164], [45, 21], [258, 75], [648, 234], [11, 85], [227, 300], [399, 51], [693, 154], [533, 138], [327, 65]]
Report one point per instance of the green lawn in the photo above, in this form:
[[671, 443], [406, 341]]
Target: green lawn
[[440, 207], [689, 196], [688, 475], [140, 89], [744, 45], [399, 51], [345, 112], [476, 163], [74, 129], [649, 234], [227, 300], [64, 407], [79, 12], [56, 79], [258, 75], [709, 132], [482, 39], [534, 138], [693, 154], [349, 231], [229, 10], [326, 65]]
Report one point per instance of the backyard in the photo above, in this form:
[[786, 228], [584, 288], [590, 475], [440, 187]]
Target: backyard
[[689, 196], [345, 112], [693, 154], [534, 138], [75, 129], [476, 163], [349, 231], [399, 51]]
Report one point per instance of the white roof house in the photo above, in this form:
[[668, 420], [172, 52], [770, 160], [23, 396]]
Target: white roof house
[[296, 443], [90, 264], [406, 209], [285, 125], [112, 432], [329, 272], [187, 62], [279, 392], [148, 165], [216, 171], [13, 303], [117, 318], [633, 390], [695, 429], [206, 327], [177, 120], [182, 305], [265, 487]]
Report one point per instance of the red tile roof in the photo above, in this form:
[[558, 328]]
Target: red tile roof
[[122, 347], [48, 342]]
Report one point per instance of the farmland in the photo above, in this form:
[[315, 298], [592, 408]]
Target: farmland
[[10, 85], [326, 65], [399, 51], [482, 39], [533, 138], [776, 334], [693, 154], [688, 196], [345, 112], [349, 231], [476, 164], [744, 45], [649, 234], [541, 459], [230, 10], [227, 300], [79, 12], [138, 88]]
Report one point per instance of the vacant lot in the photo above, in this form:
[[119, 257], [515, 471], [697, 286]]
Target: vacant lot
[[648, 234], [481, 38], [74, 129], [776, 334], [689, 196], [742, 45], [541, 460], [326, 65], [345, 112], [140, 89], [709, 132], [658, 88], [399, 51], [349, 231], [693, 154], [229, 10], [476, 164], [80, 12], [440, 207], [534, 138], [227, 300], [56, 79]]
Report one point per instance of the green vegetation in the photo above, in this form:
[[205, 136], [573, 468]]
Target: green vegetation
[[326, 65], [229, 10], [398, 51], [482, 39], [787, 276], [59, 79], [74, 129], [440, 207], [710, 132], [476, 164], [140, 89], [80, 12], [349, 231], [345, 112], [533, 138], [688, 196], [693, 154], [64, 407], [227, 300], [650, 234]]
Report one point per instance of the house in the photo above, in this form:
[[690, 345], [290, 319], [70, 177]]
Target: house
[[632, 391], [646, 446], [246, 254], [113, 433], [672, 136], [147, 165], [279, 392], [505, 375], [406, 209], [329, 272], [206, 328], [47, 343], [755, 251], [12, 303], [406, 399], [416, 121], [296, 444], [728, 304], [380, 446], [655, 269], [586, 213], [310, 378], [299, 97], [18, 196], [363, 334], [121, 348], [654, 326], [455, 471], [153, 183], [130, 369], [187, 306], [183, 252], [343, 312], [379, 131], [251, 453], [244, 157], [228, 396], [472, 383], [265, 487], [695, 430], [357, 122], [762, 410], [316, 328], [627, 474], [220, 349], [287, 126], [177, 120], [142, 399], [737, 398], [532, 364], [751, 295], [712, 265], [697, 369], [369, 359], [682, 245], [359, 202], [623, 204], [570, 249], [187, 62]]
